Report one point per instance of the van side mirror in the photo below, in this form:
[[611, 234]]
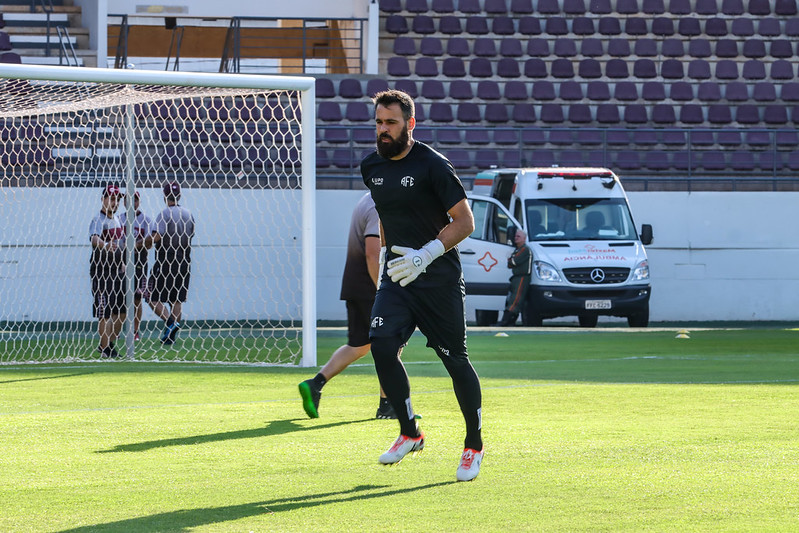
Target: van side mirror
[[510, 234], [646, 234]]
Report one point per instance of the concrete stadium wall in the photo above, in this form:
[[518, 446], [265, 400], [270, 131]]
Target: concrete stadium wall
[[242, 8], [716, 255]]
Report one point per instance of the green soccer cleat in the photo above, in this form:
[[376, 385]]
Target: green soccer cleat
[[310, 398]]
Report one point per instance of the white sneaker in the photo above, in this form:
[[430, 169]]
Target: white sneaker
[[402, 447], [470, 464]]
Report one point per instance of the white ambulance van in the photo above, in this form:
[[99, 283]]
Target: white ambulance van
[[588, 259]]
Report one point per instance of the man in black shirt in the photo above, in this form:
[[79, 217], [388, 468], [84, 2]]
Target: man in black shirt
[[423, 216]]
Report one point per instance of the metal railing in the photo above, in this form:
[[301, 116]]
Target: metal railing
[[66, 51]]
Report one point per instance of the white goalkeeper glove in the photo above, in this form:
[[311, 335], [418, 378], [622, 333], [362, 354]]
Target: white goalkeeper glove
[[411, 263]]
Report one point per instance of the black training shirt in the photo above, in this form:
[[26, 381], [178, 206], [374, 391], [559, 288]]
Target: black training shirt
[[412, 196]]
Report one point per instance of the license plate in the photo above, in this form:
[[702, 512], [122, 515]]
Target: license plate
[[597, 304]]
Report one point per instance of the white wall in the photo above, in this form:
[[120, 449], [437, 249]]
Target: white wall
[[241, 8]]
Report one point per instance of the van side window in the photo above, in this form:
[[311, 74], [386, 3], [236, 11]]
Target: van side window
[[490, 222]]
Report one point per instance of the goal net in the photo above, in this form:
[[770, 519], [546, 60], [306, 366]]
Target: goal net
[[240, 149]]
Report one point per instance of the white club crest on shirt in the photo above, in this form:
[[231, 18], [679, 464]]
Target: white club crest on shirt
[[377, 181], [377, 322], [407, 181]]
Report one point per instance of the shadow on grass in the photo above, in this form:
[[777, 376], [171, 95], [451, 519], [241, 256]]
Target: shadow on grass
[[185, 520], [276, 427], [46, 377]]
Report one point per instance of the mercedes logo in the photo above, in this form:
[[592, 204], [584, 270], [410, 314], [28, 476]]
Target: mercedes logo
[[597, 275]]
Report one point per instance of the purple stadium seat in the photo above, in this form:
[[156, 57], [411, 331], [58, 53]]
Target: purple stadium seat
[[598, 91], [442, 6], [728, 138], [636, 26], [653, 91], [431, 46], [736, 92], [460, 159], [562, 68], [469, 6], [508, 68], [433, 90], [644, 69], [453, 67], [556, 26], [793, 160], [404, 46], [448, 135], [663, 115], [529, 25], [747, 114], [329, 112], [609, 26], [732, 7], [426, 67], [769, 27], [365, 135], [764, 91], [502, 25], [680, 7], [458, 46], [511, 159], [645, 47], [390, 6], [616, 69], [713, 160], [663, 26], [511, 48], [486, 159], [775, 115], [625, 91], [460, 90], [535, 68], [673, 138], [426, 135], [407, 86], [782, 69], [618, 47], [699, 48], [706, 7], [552, 113], [570, 90], [532, 136], [496, 113], [10, 57], [789, 92], [727, 69], [742, 27], [715, 27], [477, 25], [691, 114], [5, 42], [575, 7], [480, 67], [560, 137], [564, 47], [589, 137], [759, 7], [450, 25], [600, 7], [350, 88], [709, 91], [579, 114], [785, 7], [582, 26], [589, 68], [358, 112], [523, 113], [336, 135], [416, 6], [699, 69], [689, 27], [591, 47], [538, 47], [653, 7], [719, 114], [769, 161], [727, 48], [754, 70], [495, 7], [517, 90], [396, 24], [626, 160], [635, 114], [548, 7], [506, 136], [423, 24], [397, 66], [468, 112], [701, 137], [781, 48], [754, 48], [325, 88], [440, 112], [484, 47], [488, 90], [627, 7], [521, 7], [656, 160], [787, 138]]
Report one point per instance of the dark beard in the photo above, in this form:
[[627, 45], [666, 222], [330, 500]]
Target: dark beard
[[395, 147]]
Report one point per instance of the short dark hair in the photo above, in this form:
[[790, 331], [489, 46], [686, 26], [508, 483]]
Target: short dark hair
[[394, 96]]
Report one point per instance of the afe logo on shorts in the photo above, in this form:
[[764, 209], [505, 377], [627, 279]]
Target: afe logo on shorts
[[407, 181], [377, 181], [377, 321], [417, 261]]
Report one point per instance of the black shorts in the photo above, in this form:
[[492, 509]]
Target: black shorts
[[142, 284], [359, 313], [108, 290], [170, 282], [438, 312]]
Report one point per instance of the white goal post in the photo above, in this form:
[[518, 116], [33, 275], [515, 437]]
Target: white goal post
[[241, 149]]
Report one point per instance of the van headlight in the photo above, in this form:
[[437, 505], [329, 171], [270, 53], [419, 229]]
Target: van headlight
[[641, 271], [546, 272]]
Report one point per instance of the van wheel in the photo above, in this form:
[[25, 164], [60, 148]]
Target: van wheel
[[639, 320], [486, 318], [588, 321]]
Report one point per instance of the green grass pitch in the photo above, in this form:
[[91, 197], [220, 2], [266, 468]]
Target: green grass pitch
[[585, 430]]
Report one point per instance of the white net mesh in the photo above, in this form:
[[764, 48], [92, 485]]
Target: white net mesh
[[235, 154]]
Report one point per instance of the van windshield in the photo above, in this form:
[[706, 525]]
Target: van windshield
[[579, 219]]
